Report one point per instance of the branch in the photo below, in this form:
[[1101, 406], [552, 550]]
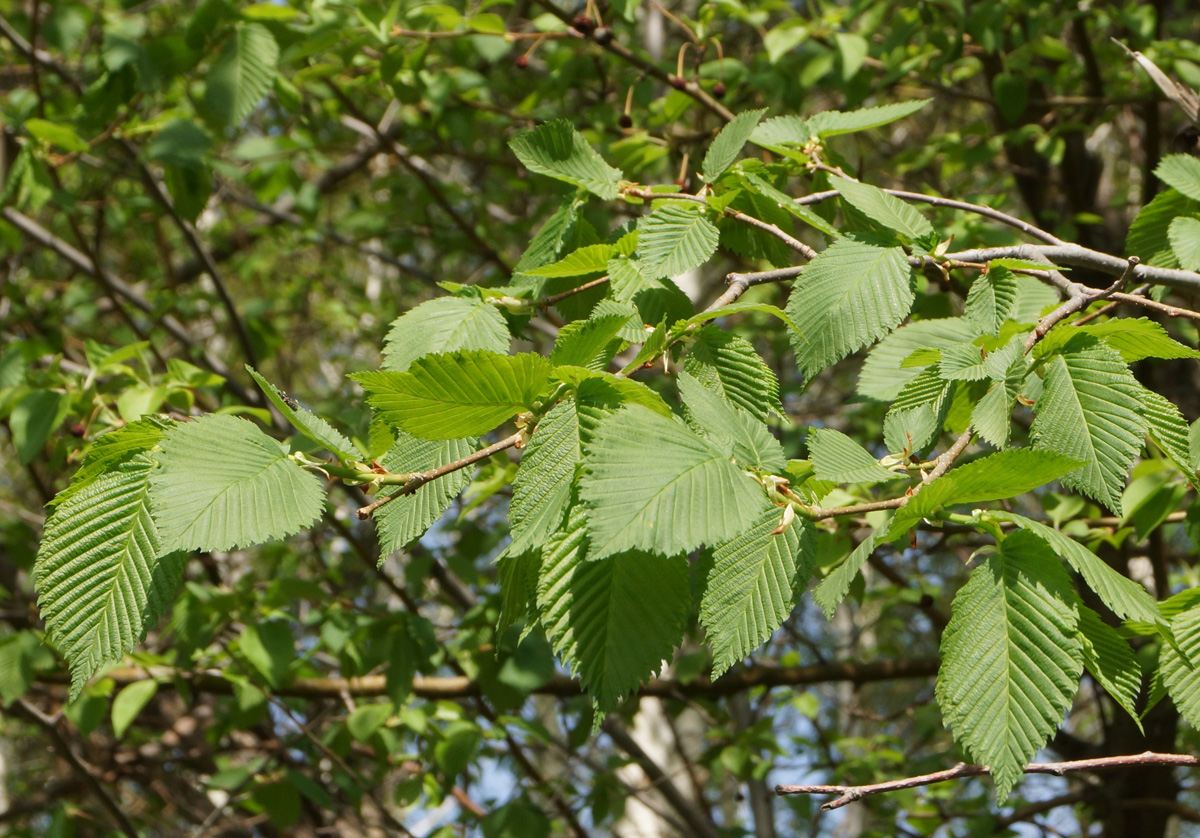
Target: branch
[[419, 480], [454, 687], [50, 725], [1074, 255], [849, 794]]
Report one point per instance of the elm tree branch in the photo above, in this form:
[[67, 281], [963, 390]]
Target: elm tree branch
[[850, 794], [419, 480]]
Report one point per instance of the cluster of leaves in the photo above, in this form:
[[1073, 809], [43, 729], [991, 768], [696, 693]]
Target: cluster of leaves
[[621, 482]]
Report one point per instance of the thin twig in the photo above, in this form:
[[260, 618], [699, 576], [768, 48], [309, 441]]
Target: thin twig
[[849, 794], [419, 480], [83, 769]]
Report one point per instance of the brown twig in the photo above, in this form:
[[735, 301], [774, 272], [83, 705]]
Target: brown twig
[[849, 794]]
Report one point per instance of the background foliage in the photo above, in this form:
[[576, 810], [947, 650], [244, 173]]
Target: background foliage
[[189, 189]]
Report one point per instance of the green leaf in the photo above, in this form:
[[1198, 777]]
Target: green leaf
[[460, 394], [405, 519], [786, 202], [446, 324], [32, 420], [853, 49], [1168, 428], [590, 259], [600, 394], [1177, 663], [830, 593], [222, 483], [1137, 338], [1108, 658], [544, 247], [556, 149], [992, 416], [590, 343], [731, 427], [305, 421], [1182, 172], [963, 362], [917, 414], [998, 476], [63, 136], [1149, 234], [733, 308], [114, 448], [129, 702], [1124, 597], [368, 718], [729, 365], [755, 581], [781, 131], [832, 123], [542, 488], [100, 572], [883, 208], [675, 238], [651, 484], [728, 144], [270, 649], [1184, 234], [182, 143], [615, 620], [1011, 93], [882, 377], [1011, 657], [839, 459], [242, 75], [991, 299], [851, 295], [1089, 411]]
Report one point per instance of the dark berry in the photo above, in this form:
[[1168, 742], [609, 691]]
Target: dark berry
[[522, 62], [78, 429], [603, 35], [625, 121], [584, 23], [719, 90], [681, 182], [677, 82]]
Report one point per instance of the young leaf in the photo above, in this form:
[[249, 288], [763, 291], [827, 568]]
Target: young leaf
[[556, 149], [787, 202], [1182, 172], [544, 247], [242, 75], [963, 362], [590, 343], [222, 483], [456, 395], [100, 572], [731, 427], [1111, 662], [1137, 338], [733, 308], [445, 324], [849, 296], [129, 702], [406, 518], [728, 365], [612, 621], [542, 488], [651, 484], [590, 259], [305, 421], [992, 416], [883, 208], [830, 593], [839, 459], [755, 582], [832, 123], [114, 448], [674, 239], [1011, 657], [657, 299], [883, 376], [728, 144], [1124, 597], [1089, 411], [917, 415], [991, 299]]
